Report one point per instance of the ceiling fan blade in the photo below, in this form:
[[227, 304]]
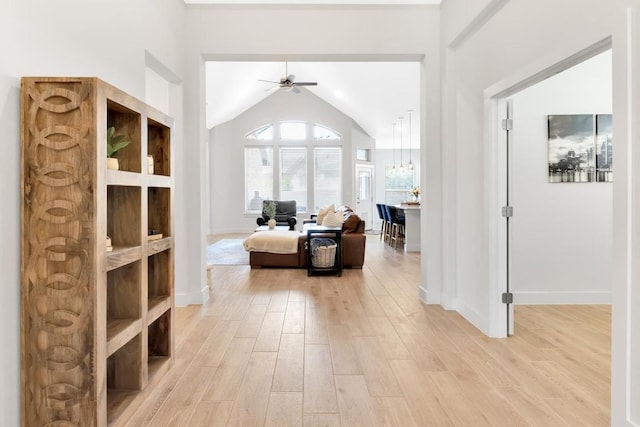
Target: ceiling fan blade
[[295, 89], [269, 81], [306, 83], [291, 78]]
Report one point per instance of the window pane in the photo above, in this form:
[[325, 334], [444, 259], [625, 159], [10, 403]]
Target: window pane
[[293, 176], [262, 133], [258, 172], [293, 131], [322, 132], [328, 176], [397, 186]]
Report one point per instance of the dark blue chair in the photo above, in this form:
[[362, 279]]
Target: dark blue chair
[[381, 215], [397, 221]]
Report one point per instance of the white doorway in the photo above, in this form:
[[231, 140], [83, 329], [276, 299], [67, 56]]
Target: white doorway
[[514, 243], [364, 194]]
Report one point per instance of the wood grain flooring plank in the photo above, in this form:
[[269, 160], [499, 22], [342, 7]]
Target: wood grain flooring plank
[[294, 318], [322, 420], [343, 356], [355, 405], [315, 327], [211, 414], [285, 410], [393, 412], [270, 332], [252, 322], [380, 379], [289, 374], [227, 378], [251, 403], [319, 385]]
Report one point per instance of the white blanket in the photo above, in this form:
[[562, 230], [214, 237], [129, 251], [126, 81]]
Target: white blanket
[[277, 242]]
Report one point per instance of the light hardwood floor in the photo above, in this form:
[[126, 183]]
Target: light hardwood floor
[[274, 347]]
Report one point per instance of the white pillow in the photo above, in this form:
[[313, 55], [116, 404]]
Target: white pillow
[[333, 219], [323, 212]]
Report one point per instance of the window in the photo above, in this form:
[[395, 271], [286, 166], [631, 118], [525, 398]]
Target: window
[[327, 176], [258, 176], [324, 133], [293, 176], [264, 133], [281, 169], [293, 131], [397, 186]]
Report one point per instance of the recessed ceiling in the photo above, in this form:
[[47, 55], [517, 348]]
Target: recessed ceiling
[[374, 94]]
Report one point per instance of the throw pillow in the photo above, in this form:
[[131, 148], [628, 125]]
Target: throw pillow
[[323, 212], [333, 219], [351, 223]]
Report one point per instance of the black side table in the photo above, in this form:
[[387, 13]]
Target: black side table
[[334, 233]]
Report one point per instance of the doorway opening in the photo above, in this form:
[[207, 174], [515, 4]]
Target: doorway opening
[[540, 207]]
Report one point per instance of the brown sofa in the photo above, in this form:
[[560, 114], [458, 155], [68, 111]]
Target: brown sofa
[[353, 245]]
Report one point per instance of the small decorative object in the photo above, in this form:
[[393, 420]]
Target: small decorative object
[[150, 164], [109, 246], [415, 193], [270, 211], [114, 143], [153, 235]]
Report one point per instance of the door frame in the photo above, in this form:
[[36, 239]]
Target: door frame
[[371, 190], [495, 101]]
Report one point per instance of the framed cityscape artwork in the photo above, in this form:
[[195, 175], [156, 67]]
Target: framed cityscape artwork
[[580, 148]]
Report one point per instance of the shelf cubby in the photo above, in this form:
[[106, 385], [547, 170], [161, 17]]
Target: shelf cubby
[[159, 202], [158, 147], [123, 215], [128, 123], [126, 375], [124, 308]]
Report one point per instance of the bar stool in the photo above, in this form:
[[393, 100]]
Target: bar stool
[[381, 216], [397, 225]]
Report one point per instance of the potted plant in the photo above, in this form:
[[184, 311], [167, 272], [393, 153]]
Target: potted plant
[[270, 211], [114, 143]]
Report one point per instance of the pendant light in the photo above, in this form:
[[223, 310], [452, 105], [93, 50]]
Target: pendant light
[[401, 168], [393, 168], [410, 165]]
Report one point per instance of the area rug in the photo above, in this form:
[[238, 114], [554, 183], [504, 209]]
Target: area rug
[[227, 252]]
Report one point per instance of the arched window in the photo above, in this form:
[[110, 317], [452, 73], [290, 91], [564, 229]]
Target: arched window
[[293, 131], [263, 133], [324, 133], [293, 164]]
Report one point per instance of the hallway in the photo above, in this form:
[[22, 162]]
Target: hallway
[[274, 347]]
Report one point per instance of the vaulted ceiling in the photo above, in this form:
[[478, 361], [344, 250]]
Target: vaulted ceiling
[[374, 94]]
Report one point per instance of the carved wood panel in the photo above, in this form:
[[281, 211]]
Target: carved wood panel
[[58, 143]]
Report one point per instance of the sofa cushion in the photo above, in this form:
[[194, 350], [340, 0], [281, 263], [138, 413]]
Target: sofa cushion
[[351, 222], [333, 219], [323, 212]]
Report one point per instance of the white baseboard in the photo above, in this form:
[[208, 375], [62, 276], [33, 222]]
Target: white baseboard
[[422, 294], [472, 316], [565, 297], [197, 298]]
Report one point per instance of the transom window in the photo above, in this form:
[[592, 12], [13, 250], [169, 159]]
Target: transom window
[[324, 133], [293, 164], [293, 131], [264, 133]]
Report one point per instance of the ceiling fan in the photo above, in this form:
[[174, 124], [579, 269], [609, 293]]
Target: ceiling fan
[[289, 82]]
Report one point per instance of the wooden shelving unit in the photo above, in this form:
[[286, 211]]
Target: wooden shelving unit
[[97, 326]]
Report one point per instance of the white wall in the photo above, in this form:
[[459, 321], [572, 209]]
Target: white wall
[[226, 154], [313, 33], [517, 42], [77, 38], [561, 233]]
